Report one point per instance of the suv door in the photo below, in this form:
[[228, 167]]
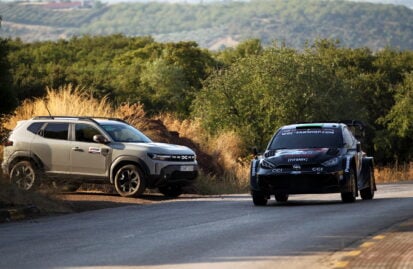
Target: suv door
[[52, 146], [88, 157]]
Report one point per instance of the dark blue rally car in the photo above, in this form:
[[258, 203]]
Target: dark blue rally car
[[313, 158]]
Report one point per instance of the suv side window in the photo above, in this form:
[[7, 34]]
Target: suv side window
[[85, 132], [56, 131]]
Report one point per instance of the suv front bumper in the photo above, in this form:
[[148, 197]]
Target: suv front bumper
[[175, 175]]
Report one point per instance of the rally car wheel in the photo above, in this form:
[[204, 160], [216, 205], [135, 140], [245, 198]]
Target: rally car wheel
[[259, 199]]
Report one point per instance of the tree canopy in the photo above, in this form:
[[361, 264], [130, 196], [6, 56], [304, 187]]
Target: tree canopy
[[250, 90]]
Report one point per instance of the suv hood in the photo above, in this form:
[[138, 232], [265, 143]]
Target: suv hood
[[160, 148], [300, 156]]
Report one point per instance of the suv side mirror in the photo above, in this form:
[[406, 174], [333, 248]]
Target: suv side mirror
[[100, 139]]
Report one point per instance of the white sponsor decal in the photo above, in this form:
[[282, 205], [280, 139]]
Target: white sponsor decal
[[297, 160], [94, 150]]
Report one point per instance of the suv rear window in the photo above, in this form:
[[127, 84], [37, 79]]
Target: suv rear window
[[307, 138], [35, 127]]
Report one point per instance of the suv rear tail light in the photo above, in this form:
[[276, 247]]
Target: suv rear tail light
[[8, 143]]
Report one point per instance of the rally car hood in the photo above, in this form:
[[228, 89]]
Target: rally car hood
[[300, 156]]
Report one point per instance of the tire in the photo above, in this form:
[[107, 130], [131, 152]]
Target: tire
[[368, 193], [281, 197], [171, 190], [259, 199], [350, 197], [129, 181], [25, 176]]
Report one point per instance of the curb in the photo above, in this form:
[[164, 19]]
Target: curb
[[392, 248], [13, 214]]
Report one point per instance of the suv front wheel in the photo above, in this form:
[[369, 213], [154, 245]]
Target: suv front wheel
[[24, 175], [129, 181]]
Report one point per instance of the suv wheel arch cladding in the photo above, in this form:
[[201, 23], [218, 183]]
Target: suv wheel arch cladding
[[25, 156], [121, 161]]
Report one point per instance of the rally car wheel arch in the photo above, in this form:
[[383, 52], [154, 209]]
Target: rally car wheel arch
[[368, 193]]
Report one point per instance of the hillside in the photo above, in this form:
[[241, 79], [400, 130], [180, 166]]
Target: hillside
[[217, 25]]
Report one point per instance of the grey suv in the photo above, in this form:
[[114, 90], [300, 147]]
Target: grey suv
[[95, 150]]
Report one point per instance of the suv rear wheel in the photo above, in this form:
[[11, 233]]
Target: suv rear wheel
[[24, 175], [129, 181]]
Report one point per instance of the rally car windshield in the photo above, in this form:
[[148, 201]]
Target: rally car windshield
[[307, 138]]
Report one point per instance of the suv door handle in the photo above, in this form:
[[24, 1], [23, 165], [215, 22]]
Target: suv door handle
[[77, 149]]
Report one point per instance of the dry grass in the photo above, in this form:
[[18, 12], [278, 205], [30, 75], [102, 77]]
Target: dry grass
[[68, 100], [395, 173], [225, 148]]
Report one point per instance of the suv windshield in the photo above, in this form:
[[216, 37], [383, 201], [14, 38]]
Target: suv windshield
[[125, 133], [301, 138]]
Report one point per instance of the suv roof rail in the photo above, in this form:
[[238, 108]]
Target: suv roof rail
[[90, 118]]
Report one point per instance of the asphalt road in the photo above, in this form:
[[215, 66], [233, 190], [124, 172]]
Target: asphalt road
[[224, 232]]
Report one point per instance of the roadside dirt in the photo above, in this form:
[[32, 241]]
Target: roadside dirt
[[84, 201], [19, 205]]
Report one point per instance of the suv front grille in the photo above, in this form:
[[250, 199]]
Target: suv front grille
[[172, 157]]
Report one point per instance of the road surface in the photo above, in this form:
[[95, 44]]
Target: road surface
[[222, 232]]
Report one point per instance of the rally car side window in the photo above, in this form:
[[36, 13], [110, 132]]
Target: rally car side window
[[348, 138]]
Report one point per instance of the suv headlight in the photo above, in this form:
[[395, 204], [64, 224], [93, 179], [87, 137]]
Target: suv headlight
[[332, 162], [160, 157], [266, 164]]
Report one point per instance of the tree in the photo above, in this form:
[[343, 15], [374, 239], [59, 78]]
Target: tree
[[259, 93], [8, 100], [399, 123]]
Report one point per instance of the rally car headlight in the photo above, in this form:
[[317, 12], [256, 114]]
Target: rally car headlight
[[267, 165], [331, 162]]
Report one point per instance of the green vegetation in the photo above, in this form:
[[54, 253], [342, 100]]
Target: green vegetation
[[165, 76], [293, 22], [248, 91]]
